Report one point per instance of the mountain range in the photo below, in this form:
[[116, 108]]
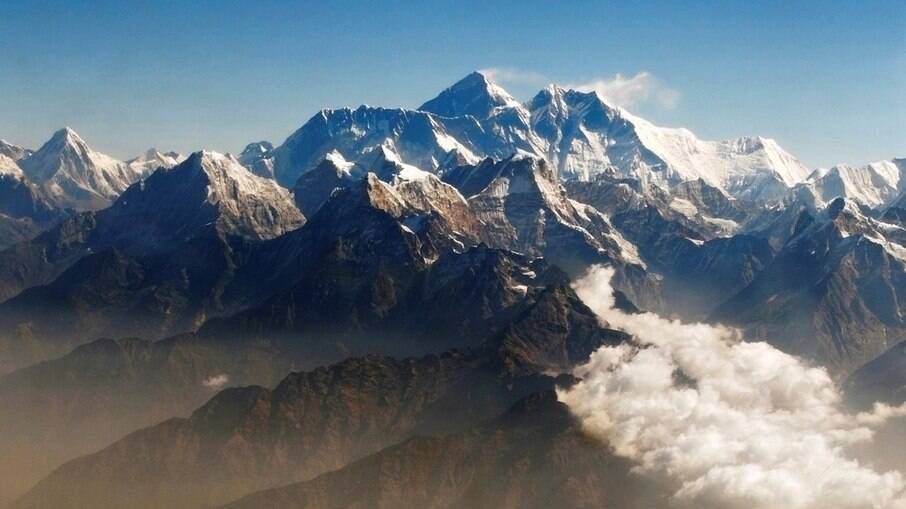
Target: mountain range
[[379, 311]]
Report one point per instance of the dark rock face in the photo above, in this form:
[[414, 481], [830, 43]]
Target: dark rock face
[[25, 211], [111, 293], [882, 379], [832, 294], [314, 188], [248, 439], [43, 258]]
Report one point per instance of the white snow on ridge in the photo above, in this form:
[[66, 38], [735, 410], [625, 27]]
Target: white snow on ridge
[[335, 157], [70, 170], [9, 167], [874, 185], [722, 164]]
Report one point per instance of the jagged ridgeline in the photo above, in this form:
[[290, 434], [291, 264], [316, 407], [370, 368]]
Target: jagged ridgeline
[[378, 312]]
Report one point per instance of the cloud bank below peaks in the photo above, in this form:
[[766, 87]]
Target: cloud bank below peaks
[[733, 424]]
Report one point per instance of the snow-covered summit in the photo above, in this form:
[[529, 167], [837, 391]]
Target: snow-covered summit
[[74, 174], [473, 95], [874, 185], [257, 158], [578, 133], [152, 159]]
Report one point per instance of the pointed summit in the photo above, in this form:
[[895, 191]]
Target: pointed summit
[[257, 158], [206, 189], [473, 95], [67, 133], [75, 175]]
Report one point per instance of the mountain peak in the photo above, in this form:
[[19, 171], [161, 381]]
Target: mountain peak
[[473, 95], [257, 148], [212, 188], [74, 174], [68, 136]]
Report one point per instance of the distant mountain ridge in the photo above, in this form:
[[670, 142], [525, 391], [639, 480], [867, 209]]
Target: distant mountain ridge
[[577, 132]]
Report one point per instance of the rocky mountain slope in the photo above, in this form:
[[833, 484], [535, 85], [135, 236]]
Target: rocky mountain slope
[[25, 209], [832, 293], [531, 457], [251, 438], [208, 192]]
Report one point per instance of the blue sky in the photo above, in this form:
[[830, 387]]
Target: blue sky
[[827, 80]]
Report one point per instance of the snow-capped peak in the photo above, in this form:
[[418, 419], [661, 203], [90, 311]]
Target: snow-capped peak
[[256, 149], [74, 174], [152, 159], [257, 158], [579, 134], [474, 95], [874, 185], [751, 167], [389, 166]]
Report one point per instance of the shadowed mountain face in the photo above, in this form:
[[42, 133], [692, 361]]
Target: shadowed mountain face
[[834, 293], [378, 268], [533, 456], [64, 408], [208, 194], [545, 328], [25, 210], [114, 294], [251, 438], [687, 235], [883, 379]]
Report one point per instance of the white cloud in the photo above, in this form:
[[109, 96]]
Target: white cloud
[[734, 424], [618, 90], [514, 75], [216, 382], [644, 87]]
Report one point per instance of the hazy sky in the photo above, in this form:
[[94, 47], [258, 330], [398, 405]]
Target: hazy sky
[[827, 80]]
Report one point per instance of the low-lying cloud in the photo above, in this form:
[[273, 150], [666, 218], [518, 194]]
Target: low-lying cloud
[[734, 424], [216, 382]]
